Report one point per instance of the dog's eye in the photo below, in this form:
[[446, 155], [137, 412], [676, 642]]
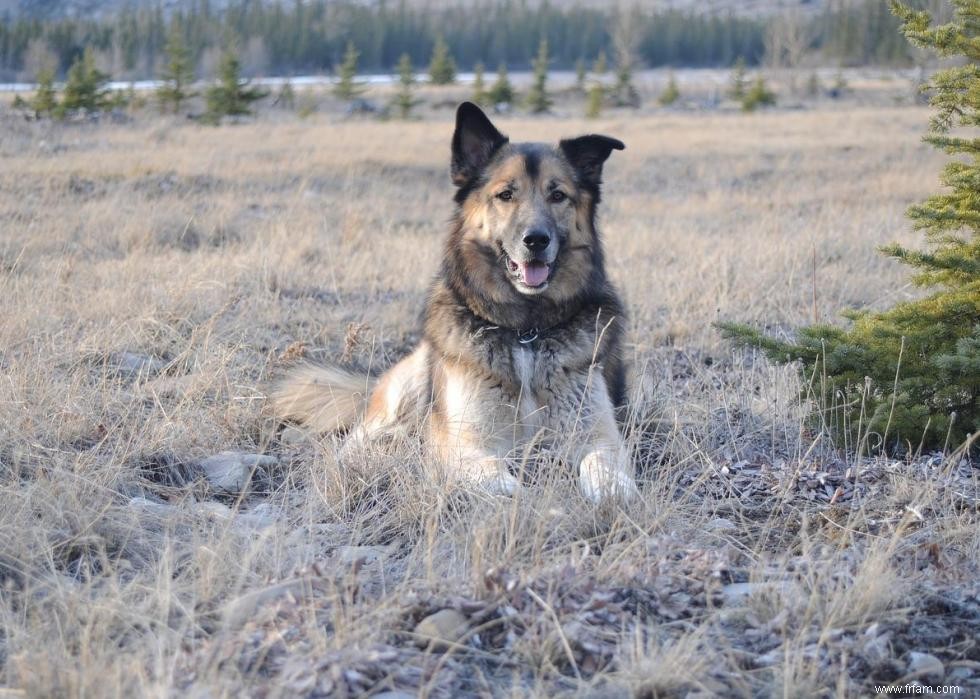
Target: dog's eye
[[557, 196], [505, 195]]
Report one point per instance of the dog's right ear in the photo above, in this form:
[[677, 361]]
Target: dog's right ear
[[474, 143]]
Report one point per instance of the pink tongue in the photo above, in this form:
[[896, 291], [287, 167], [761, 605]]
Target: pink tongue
[[534, 273]]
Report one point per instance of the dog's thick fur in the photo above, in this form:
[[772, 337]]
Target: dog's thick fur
[[522, 329]]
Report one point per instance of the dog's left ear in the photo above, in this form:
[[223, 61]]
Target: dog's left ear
[[475, 141], [588, 153]]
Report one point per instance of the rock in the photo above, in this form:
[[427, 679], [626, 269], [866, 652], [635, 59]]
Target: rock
[[776, 655], [397, 694], [134, 365], [926, 666], [261, 516], [348, 555], [231, 471], [877, 649], [213, 510], [959, 675], [240, 611], [294, 436], [721, 525], [152, 508], [440, 629], [736, 593]]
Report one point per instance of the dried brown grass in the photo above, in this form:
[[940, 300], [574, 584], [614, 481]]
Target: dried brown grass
[[217, 251]]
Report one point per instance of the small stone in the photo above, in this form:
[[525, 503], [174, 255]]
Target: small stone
[[721, 525], [959, 675], [261, 516], [213, 510], [135, 365], [444, 627], [294, 436], [397, 694], [736, 593], [877, 649], [240, 611], [926, 666], [145, 506], [773, 657], [231, 471], [348, 555]]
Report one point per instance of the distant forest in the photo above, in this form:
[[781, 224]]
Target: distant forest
[[310, 36]]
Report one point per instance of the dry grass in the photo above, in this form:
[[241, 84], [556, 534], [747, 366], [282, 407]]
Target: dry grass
[[153, 275]]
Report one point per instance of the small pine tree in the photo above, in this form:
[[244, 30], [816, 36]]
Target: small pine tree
[[480, 94], [813, 86], [178, 73], [231, 96], [758, 96], [45, 99], [740, 81], [442, 68], [502, 92], [404, 101], [624, 93], [601, 64], [580, 76], [839, 88], [286, 97], [85, 88], [593, 103], [538, 100], [671, 93], [347, 87], [911, 374]]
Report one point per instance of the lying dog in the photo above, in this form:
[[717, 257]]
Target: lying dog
[[522, 329]]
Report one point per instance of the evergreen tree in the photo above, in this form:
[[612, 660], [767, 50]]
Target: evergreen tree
[[601, 65], [671, 93], [286, 97], [178, 72], [231, 96], [442, 68], [813, 86], [538, 100], [911, 374], [85, 88], [740, 81], [580, 76], [347, 88], [624, 93], [404, 101], [502, 92], [480, 94], [593, 104], [758, 96], [45, 99]]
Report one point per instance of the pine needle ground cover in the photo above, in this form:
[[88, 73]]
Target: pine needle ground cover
[[908, 378], [153, 273]]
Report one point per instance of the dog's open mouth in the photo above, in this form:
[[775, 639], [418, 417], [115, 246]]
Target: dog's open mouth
[[533, 274]]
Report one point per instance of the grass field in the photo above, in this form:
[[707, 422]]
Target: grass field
[[154, 275]]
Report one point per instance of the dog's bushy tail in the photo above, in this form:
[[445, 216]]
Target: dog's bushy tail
[[321, 398]]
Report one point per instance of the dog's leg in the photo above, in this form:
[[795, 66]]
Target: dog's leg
[[397, 402], [604, 466], [464, 432]]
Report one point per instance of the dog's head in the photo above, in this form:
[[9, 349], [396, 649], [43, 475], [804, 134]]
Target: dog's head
[[527, 210]]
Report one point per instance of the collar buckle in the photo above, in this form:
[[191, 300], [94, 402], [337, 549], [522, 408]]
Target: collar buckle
[[528, 336]]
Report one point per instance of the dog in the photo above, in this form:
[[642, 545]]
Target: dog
[[522, 330]]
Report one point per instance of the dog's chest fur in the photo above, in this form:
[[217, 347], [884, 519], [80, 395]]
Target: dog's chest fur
[[528, 385]]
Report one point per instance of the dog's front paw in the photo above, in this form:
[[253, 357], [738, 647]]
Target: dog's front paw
[[599, 480], [501, 483]]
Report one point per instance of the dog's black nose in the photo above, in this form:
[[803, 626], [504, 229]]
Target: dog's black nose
[[536, 240]]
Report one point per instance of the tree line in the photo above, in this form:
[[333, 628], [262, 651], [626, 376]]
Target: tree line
[[312, 35]]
